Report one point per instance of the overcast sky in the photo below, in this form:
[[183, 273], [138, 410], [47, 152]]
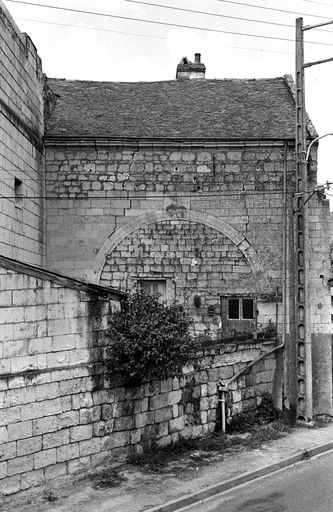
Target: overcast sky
[[90, 47]]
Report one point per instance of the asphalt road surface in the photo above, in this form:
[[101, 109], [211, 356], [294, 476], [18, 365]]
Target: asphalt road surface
[[304, 487]]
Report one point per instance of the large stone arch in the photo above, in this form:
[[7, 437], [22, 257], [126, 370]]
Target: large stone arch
[[179, 213]]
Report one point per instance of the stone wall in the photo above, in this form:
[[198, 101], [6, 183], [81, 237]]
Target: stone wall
[[59, 412], [101, 191], [211, 219], [49, 333], [194, 259], [21, 148]]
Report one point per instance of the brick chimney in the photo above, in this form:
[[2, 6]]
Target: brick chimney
[[187, 70]]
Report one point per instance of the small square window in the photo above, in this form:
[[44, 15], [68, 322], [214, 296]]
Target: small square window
[[238, 316], [241, 309], [154, 287]]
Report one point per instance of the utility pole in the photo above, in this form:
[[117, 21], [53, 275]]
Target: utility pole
[[300, 358]]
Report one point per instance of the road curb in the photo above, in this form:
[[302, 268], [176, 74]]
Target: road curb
[[207, 492]]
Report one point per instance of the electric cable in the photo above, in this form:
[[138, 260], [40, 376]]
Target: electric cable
[[127, 195], [268, 9], [164, 23], [182, 9], [215, 14], [318, 3], [147, 36]]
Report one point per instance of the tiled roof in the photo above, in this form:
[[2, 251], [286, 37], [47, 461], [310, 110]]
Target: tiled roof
[[189, 109]]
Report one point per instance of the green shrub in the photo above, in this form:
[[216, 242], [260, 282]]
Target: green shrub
[[149, 340]]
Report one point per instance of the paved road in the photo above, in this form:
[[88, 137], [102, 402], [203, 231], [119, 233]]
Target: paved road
[[305, 487]]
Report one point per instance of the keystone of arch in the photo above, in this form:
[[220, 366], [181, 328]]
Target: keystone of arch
[[154, 217]]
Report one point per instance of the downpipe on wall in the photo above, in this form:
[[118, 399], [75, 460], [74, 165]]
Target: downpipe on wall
[[223, 387]]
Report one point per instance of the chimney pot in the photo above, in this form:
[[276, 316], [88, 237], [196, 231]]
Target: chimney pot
[[187, 70]]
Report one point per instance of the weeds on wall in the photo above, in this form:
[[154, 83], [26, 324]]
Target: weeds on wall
[[194, 453], [266, 412], [148, 340], [106, 478]]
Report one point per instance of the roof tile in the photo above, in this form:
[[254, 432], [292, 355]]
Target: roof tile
[[190, 109]]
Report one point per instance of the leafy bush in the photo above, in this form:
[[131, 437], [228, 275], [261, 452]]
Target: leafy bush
[[148, 340]]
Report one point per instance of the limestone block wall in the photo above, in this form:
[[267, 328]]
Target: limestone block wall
[[209, 221], [194, 259], [49, 333], [100, 191], [61, 414], [21, 149]]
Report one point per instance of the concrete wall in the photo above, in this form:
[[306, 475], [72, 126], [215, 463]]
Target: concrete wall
[[320, 304], [59, 412], [331, 269], [212, 219], [21, 149]]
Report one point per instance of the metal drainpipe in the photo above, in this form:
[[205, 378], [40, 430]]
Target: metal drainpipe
[[223, 387], [285, 245]]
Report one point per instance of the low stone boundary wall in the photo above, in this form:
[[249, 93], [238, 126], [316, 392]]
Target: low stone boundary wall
[[59, 414], [49, 327]]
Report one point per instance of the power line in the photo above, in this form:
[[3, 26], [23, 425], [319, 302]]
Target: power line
[[215, 14], [25, 178], [208, 13], [146, 35], [270, 9], [93, 28], [163, 23], [193, 195], [318, 3], [13, 170]]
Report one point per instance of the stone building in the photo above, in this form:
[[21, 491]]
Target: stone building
[[184, 188], [176, 186], [21, 146]]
